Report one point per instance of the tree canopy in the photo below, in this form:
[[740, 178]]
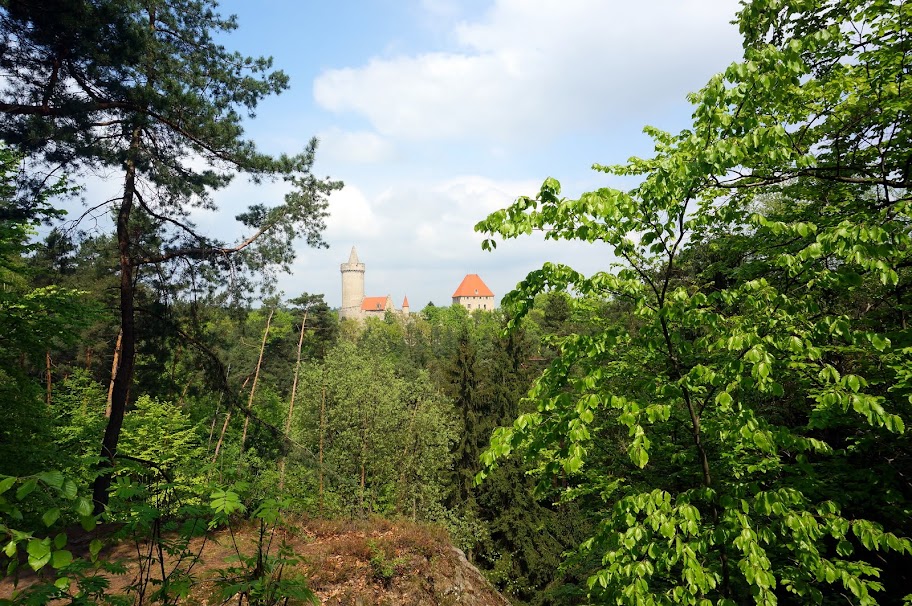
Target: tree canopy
[[760, 386]]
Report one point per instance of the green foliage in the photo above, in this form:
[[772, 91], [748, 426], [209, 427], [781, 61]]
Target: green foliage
[[266, 576], [386, 437], [746, 419], [162, 433], [383, 566], [54, 499], [32, 320]]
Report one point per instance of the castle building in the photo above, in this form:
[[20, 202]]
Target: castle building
[[355, 306], [473, 293]]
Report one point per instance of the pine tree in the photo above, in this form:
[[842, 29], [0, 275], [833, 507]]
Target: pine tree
[[143, 88]]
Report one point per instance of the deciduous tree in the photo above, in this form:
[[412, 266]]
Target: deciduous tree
[[744, 390]]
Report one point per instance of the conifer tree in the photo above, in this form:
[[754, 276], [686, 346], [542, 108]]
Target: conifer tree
[[144, 89]]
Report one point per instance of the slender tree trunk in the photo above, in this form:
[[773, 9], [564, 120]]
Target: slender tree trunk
[[174, 361], [123, 375], [405, 467], [256, 377], [114, 365], [47, 367], [363, 460], [88, 358], [322, 430], [183, 396], [214, 420], [218, 446], [363, 477], [294, 391]]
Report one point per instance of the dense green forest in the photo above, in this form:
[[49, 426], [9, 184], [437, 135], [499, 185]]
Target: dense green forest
[[717, 418]]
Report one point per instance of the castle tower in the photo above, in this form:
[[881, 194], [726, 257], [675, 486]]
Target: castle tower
[[352, 287], [405, 307]]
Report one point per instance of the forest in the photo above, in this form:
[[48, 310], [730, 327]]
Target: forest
[[716, 418]]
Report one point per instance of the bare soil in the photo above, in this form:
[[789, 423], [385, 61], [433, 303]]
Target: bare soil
[[347, 563]]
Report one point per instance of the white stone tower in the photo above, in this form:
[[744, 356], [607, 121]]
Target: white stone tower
[[352, 287]]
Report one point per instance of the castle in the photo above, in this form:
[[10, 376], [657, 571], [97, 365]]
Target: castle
[[472, 293]]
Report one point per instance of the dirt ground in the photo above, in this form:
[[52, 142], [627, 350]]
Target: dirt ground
[[346, 563]]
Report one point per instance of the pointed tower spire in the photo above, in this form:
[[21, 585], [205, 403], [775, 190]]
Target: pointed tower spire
[[353, 257]]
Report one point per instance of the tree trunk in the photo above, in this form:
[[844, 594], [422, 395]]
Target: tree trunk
[[322, 429], [256, 377], [114, 364], [294, 390], [405, 466], [47, 369], [123, 374], [218, 446], [363, 460], [214, 420]]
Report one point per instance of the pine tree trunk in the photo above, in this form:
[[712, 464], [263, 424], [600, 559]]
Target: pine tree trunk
[[114, 365], [294, 390], [123, 374], [218, 446], [256, 377], [214, 421]]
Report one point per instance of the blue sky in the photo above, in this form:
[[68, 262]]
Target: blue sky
[[436, 112]]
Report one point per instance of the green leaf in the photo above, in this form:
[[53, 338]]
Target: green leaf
[[39, 553], [69, 489], [880, 343], [639, 456], [84, 507], [6, 483], [54, 479], [61, 558], [95, 548], [26, 489], [226, 502], [50, 516]]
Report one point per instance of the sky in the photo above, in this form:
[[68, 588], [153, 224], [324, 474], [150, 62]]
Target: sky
[[435, 113]]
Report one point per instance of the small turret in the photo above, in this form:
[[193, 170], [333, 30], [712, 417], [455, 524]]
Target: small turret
[[405, 306]]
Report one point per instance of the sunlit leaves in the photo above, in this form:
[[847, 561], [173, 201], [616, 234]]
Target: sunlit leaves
[[758, 261]]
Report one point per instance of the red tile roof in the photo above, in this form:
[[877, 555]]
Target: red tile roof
[[405, 302], [472, 286], [373, 303]]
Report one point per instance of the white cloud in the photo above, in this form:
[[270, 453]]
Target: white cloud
[[354, 147], [527, 70], [417, 239], [350, 215]]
